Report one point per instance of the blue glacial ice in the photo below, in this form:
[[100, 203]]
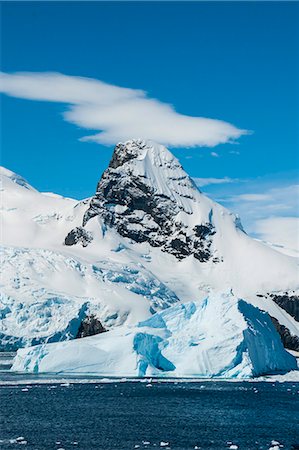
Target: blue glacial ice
[[222, 336]]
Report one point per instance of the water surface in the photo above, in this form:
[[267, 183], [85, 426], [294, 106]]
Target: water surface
[[114, 415]]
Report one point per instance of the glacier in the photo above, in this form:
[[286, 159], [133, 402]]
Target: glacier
[[45, 295], [222, 336]]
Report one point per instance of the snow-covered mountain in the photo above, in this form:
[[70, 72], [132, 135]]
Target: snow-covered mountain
[[146, 241]]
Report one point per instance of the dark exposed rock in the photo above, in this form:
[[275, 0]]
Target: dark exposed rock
[[78, 235], [90, 326], [203, 242], [122, 154], [202, 231], [289, 341], [288, 302], [134, 207]]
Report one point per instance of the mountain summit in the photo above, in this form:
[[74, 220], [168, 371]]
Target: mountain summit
[[146, 195]]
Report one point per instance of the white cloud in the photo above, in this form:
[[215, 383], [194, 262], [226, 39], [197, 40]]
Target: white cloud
[[268, 209], [214, 154], [274, 201], [253, 197], [118, 113], [208, 181], [279, 231]]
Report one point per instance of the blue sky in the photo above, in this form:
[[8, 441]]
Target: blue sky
[[236, 62]]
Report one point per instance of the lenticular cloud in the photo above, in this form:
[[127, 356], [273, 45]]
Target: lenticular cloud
[[118, 113]]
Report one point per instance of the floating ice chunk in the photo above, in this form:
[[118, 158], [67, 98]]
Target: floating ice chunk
[[275, 445]]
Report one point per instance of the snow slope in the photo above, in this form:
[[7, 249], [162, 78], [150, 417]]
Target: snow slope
[[32, 219], [221, 337]]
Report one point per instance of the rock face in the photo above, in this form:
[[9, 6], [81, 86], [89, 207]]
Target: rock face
[[78, 235], [90, 326], [289, 341], [289, 302], [146, 195]]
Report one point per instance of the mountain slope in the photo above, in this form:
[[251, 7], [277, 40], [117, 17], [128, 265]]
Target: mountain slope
[[146, 197]]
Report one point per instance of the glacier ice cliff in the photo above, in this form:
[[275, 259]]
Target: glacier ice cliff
[[222, 336]]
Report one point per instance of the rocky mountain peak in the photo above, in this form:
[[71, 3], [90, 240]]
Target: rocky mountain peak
[[146, 195], [154, 164], [127, 151]]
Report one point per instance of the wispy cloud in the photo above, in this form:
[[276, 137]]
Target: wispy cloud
[[281, 231], [252, 197], [272, 216], [200, 182], [118, 113], [268, 209], [280, 201]]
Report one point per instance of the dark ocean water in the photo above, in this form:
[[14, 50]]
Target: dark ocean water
[[136, 415]]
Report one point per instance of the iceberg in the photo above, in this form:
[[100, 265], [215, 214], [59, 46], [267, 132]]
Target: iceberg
[[222, 336]]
